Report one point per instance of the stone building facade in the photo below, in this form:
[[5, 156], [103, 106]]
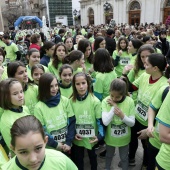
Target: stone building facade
[[124, 11]]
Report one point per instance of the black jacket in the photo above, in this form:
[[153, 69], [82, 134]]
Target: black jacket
[[110, 44]]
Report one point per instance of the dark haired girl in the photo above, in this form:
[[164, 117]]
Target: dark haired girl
[[118, 115], [69, 44], [121, 56], [47, 51], [28, 143], [105, 74], [33, 56], [147, 85], [87, 120], [12, 101], [66, 76], [55, 113], [19, 71], [84, 46], [36, 72], [76, 60], [60, 52]]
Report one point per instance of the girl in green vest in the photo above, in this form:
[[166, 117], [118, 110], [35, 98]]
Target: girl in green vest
[[60, 52], [55, 113], [28, 142], [19, 71], [105, 73], [147, 85], [118, 115], [33, 56], [143, 52], [69, 44], [66, 76], [36, 72], [12, 101], [76, 60], [99, 42], [121, 56], [89, 129], [84, 46]]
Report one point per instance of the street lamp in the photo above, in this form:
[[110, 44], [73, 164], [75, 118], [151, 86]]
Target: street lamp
[[75, 12], [107, 6], [75, 15]]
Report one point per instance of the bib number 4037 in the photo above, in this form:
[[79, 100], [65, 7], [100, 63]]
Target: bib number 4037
[[60, 137], [60, 134]]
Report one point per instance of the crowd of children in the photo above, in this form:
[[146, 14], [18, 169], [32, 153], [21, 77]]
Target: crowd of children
[[73, 95]]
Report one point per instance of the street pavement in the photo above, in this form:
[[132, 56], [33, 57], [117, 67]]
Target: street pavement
[[115, 161]]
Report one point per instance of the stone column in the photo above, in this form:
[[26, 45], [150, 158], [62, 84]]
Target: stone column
[[1, 21]]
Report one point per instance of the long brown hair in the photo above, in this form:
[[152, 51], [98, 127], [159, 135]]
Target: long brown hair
[[5, 94], [138, 61], [56, 61], [120, 85], [75, 93], [23, 126], [44, 86]]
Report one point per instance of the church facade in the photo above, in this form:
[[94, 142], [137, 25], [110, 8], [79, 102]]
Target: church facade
[[124, 11]]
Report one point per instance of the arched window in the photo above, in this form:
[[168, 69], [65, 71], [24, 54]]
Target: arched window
[[168, 3], [166, 11], [108, 15], [91, 12], [91, 15], [135, 6], [134, 13]]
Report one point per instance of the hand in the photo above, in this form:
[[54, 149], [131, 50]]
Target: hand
[[111, 102], [66, 148], [150, 131], [127, 68], [120, 53], [118, 112], [142, 134], [84, 67], [60, 146], [91, 70], [78, 137], [93, 139]]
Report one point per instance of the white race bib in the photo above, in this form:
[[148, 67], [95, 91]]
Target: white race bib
[[124, 61], [59, 135], [119, 130], [86, 130], [142, 110]]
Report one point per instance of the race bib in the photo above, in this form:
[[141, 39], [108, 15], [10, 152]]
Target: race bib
[[124, 61], [86, 130], [141, 110], [59, 135], [119, 130]]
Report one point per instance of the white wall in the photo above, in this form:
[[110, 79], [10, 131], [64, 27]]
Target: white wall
[[150, 10], [75, 5]]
